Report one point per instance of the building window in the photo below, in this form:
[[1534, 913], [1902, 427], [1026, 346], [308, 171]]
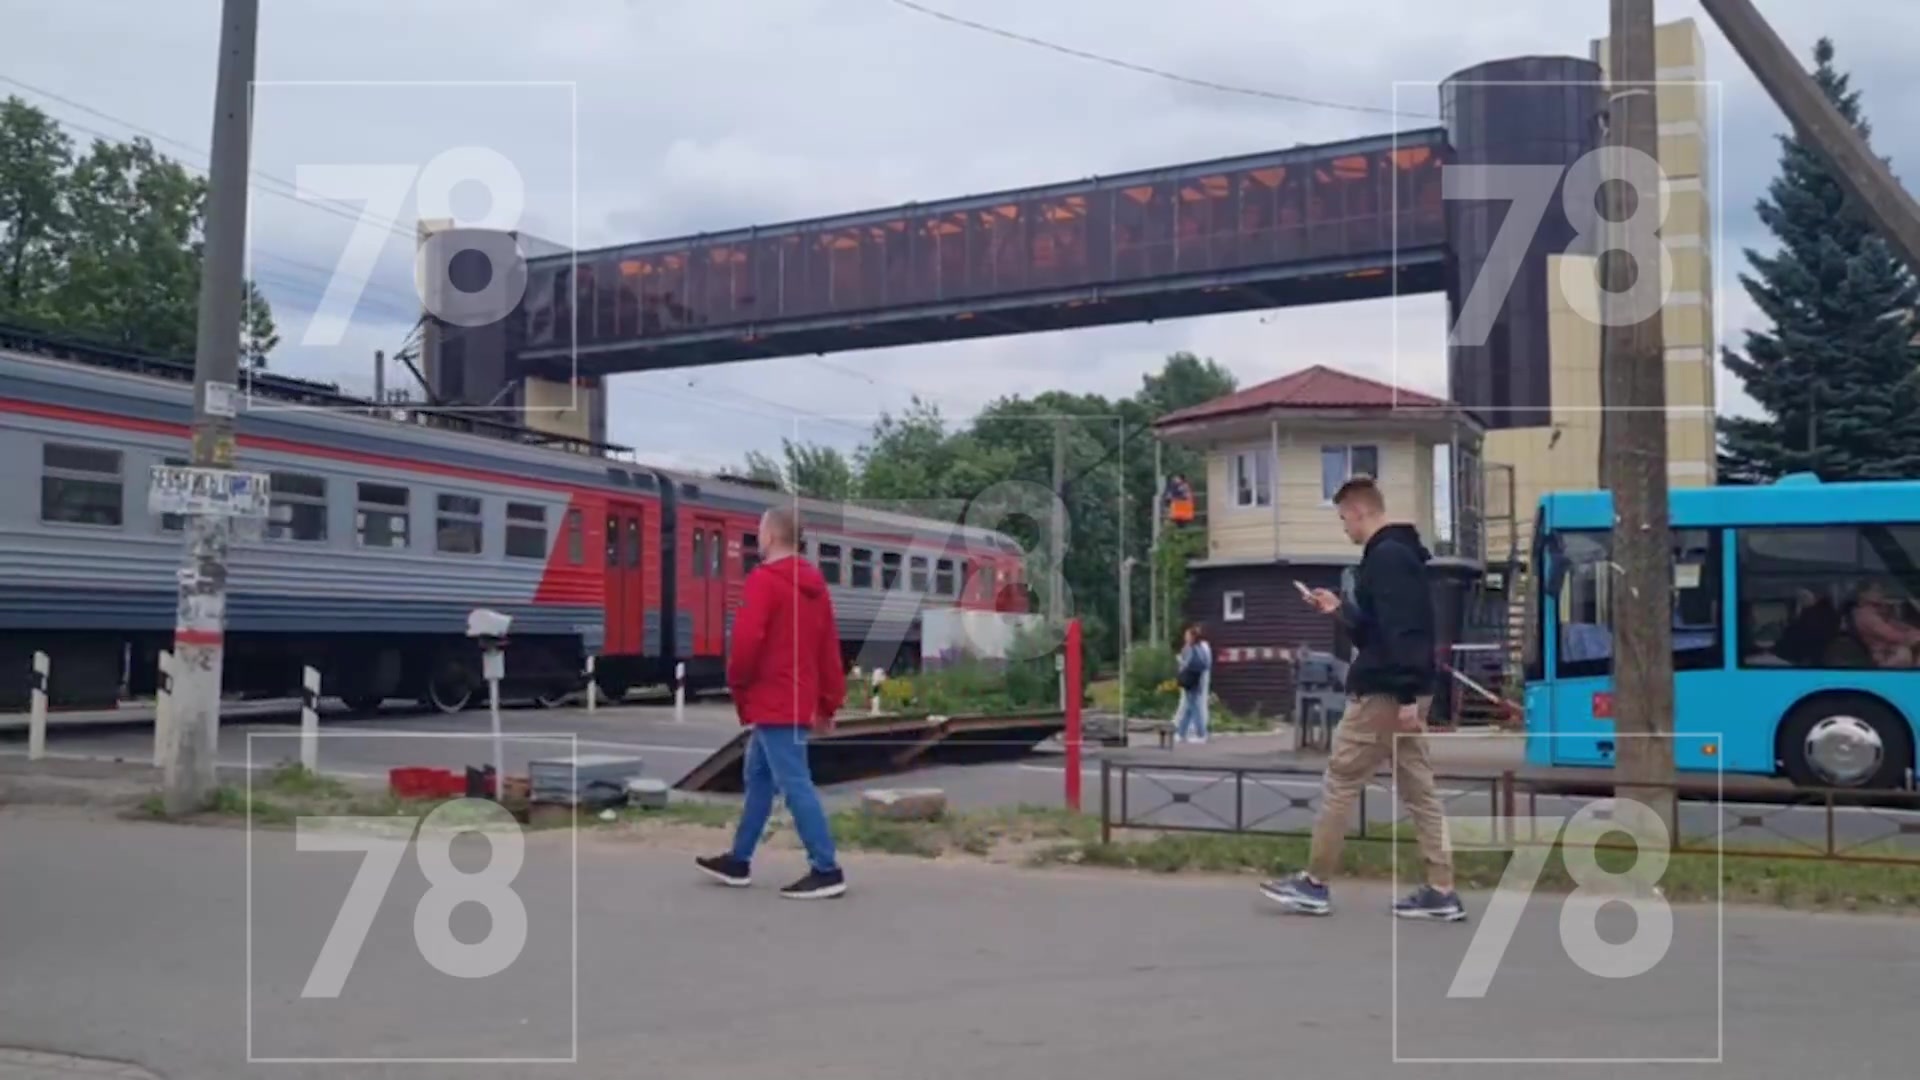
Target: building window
[[576, 538], [526, 531], [1839, 596], [174, 522], [943, 577], [699, 553], [458, 530], [382, 516], [1233, 606], [297, 508], [1252, 478], [80, 485], [830, 563], [1339, 464], [917, 573], [890, 570], [862, 568]]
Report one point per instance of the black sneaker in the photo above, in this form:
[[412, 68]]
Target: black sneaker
[[726, 870], [818, 885]]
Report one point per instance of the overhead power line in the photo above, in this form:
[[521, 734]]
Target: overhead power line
[[1158, 73]]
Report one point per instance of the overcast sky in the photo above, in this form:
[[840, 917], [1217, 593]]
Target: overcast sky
[[689, 115]]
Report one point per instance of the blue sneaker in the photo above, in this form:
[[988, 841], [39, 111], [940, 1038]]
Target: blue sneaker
[[1300, 894], [1427, 902]]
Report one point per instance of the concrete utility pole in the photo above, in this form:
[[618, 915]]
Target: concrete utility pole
[[1864, 177], [1640, 581], [200, 621], [1153, 549]]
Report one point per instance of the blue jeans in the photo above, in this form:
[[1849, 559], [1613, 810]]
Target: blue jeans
[[1191, 720], [777, 760]]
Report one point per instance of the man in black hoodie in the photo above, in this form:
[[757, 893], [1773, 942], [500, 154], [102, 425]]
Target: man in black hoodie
[[1388, 614]]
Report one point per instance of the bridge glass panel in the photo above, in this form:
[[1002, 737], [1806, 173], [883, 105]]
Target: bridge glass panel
[[1057, 253], [626, 319]]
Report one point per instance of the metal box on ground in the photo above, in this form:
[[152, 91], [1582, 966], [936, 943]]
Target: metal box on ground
[[645, 793], [586, 780]]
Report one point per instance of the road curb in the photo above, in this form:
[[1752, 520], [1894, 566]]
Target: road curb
[[22, 1064]]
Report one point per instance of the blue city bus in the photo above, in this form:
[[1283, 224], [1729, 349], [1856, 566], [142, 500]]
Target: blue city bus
[[1795, 631]]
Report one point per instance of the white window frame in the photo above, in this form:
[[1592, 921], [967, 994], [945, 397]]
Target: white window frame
[[1230, 611], [1346, 451], [1253, 456], [282, 499]]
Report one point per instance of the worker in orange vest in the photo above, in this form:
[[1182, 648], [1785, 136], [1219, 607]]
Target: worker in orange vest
[[1179, 500]]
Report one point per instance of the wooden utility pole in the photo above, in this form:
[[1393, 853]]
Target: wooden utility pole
[[1860, 172], [1640, 581], [201, 616]]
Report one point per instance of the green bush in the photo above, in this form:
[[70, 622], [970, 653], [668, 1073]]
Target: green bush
[[1151, 689]]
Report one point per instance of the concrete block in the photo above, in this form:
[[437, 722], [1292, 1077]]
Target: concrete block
[[646, 793], [905, 804]]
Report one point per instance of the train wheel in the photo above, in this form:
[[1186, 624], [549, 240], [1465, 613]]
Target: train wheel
[[365, 704], [450, 688]]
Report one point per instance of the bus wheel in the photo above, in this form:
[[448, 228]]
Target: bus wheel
[[1845, 742]]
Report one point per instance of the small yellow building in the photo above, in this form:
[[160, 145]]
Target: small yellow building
[[1275, 454]]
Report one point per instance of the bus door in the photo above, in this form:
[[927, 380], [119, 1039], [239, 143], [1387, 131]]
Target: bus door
[[1579, 693], [625, 583]]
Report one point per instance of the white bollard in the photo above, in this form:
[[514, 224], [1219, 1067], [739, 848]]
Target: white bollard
[[310, 720], [873, 702], [37, 719], [163, 709], [493, 665], [593, 690], [679, 692]]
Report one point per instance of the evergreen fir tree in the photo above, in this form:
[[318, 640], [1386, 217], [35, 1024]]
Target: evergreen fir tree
[[1837, 374]]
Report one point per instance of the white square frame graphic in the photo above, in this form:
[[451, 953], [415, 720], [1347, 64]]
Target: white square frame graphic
[[1720, 908], [1716, 163], [254, 403], [568, 739]]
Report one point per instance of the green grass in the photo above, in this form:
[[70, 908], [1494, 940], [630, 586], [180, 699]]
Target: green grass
[[1763, 879]]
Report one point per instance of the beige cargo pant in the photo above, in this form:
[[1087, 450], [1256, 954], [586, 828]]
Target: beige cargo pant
[[1363, 741]]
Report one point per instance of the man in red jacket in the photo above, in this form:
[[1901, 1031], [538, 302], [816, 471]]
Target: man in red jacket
[[783, 667]]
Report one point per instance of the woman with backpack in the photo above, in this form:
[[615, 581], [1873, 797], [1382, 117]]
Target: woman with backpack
[[1195, 678]]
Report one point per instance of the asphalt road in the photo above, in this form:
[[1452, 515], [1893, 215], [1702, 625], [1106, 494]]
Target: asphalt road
[[172, 946], [668, 748]]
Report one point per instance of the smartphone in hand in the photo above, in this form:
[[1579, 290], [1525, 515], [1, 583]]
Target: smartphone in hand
[[1305, 593]]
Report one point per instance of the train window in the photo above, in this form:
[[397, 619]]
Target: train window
[[890, 570], [382, 516], [613, 542], [80, 485], [830, 563], [988, 592], [943, 577], [173, 522], [457, 530], [526, 531], [576, 538], [718, 549], [298, 508], [699, 553], [917, 567], [749, 552], [862, 568], [633, 542]]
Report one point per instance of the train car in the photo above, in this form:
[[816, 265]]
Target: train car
[[386, 527]]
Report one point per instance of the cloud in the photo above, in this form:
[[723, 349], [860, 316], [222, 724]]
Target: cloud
[[707, 114]]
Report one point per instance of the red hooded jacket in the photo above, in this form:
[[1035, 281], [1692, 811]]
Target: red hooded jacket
[[783, 663]]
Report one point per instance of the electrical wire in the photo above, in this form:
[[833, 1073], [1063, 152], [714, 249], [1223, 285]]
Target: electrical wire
[[1158, 73]]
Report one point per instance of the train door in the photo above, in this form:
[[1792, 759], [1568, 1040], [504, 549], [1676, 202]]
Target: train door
[[626, 584], [708, 600]]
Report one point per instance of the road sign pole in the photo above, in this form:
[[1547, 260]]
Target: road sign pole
[[201, 615]]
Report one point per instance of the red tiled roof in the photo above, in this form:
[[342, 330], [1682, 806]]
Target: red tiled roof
[[1317, 387]]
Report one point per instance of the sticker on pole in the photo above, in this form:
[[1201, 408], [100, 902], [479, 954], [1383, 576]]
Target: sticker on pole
[[181, 489]]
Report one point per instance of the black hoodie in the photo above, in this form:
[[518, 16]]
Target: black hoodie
[[1389, 617]]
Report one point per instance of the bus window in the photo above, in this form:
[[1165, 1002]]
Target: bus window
[[1587, 581], [1802, 590]]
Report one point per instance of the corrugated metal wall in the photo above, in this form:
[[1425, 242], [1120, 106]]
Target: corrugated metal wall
[[1274, 617]]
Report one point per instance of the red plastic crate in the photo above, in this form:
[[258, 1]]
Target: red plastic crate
[[418, 783]]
